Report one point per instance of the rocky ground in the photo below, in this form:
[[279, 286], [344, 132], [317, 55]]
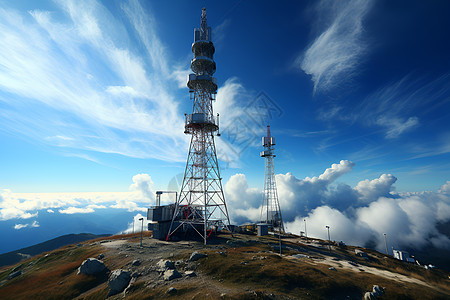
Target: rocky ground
[[238, 267]]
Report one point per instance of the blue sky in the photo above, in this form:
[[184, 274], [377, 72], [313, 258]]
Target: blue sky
[[93, 96]]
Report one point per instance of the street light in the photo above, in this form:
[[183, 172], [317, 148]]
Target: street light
[[385, 243], [329, 240], [142, 228], [306, 233]]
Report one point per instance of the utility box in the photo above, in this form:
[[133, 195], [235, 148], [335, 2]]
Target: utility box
[[160, 230], [263, 229], [160, 213], [402, 255]]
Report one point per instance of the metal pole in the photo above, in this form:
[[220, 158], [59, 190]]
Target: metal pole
[[142, 228], [279, 237], [306, 234], [385, 243], [329, 240], [133, 225]]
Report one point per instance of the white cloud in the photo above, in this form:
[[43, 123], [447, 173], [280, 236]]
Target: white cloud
[[394, 126], [132, 111], [143, 184], [27, 205], [20, 226], [358, 215], [336, 53], [243, 202], [445, 189], [181, 76], [137, 225], [371, 190], [76, 210], [240, 120]]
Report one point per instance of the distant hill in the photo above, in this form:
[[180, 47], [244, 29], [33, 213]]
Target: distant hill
[[14, 257]]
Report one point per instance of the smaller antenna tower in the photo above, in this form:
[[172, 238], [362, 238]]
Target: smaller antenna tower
[[270, 209]]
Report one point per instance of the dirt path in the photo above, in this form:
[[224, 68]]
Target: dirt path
[[344, 264]]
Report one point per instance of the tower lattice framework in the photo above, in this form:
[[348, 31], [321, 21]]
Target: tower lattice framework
[[201, 203], [270, 209]]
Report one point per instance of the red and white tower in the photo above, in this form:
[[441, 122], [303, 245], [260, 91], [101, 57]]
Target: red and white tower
[[270, 209], [201, 205]]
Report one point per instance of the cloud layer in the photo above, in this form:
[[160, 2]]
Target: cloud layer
[[27, 205], [359, 215]]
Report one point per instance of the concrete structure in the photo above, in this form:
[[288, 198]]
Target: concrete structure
[[403, 255]]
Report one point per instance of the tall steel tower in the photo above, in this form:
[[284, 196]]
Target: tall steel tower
[[201, 203], [270, 209]]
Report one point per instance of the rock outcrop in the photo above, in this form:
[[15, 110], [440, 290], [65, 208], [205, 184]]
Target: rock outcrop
[[118, 281], [376, 293], [92, 266], [171, 275], [165, 265], [196, 256]]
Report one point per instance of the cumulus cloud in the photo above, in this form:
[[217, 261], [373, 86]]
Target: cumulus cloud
[[359, 215], [243, 201], [336, 53], [143, 184], [76, 210], [136, 225], [371, 190], [299, 196], [20, 226]]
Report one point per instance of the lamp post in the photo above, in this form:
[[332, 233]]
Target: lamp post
[[142, 228], [385, 243], [329, 240], [306, 233]]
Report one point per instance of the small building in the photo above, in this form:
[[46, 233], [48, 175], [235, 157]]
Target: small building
[[263, 229], [403, 255]]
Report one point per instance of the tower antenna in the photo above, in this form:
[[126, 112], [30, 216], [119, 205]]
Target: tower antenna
[[270, 209], [201, 203]]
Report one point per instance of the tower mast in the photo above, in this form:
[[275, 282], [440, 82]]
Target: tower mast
[[201, 203], [270, 209]]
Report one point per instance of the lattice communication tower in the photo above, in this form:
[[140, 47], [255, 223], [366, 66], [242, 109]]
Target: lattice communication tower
[[270, 209], [201, 203]]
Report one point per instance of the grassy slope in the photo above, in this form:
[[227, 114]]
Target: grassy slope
[[13, 257], [248, 270]]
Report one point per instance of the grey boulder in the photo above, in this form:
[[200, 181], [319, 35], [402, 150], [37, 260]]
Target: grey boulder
[[196, 256], [171, 275], [118, 281], [165, 265], [91, 266]]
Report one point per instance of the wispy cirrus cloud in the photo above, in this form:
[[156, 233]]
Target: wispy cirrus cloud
[[336, 53], [71, 73]]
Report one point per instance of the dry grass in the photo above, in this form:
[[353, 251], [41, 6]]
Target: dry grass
[[249, 270], [53, 275]]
